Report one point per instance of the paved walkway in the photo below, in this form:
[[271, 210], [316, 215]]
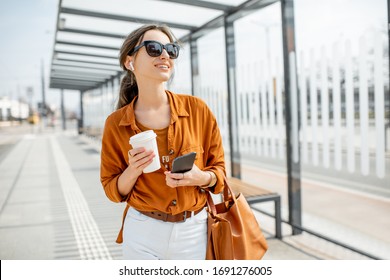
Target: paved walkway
[[52, 205]]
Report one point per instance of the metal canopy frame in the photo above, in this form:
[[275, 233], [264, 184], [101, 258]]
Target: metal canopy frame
[[121, 18], [204, 4], [83, 49]]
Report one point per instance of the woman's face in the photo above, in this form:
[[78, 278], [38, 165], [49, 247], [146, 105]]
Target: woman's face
[[158, 69]]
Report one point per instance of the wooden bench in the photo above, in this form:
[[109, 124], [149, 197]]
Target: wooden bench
[[94, 132], [254, 194]]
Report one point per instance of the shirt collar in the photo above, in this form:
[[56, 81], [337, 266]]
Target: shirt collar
[[175, 102]]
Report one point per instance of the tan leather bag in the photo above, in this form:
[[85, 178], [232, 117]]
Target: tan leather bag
[[233, 231]]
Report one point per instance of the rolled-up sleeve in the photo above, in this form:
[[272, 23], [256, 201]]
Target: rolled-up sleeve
[[215, 158], [112, 162]]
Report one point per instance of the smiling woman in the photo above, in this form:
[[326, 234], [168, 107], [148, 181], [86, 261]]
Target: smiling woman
[[128, 52], [160, 201]]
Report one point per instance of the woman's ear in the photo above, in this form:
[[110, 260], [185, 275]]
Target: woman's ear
[[131, 66], [129, 63]]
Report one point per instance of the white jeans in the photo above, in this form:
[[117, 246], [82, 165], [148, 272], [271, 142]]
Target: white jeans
[[145, 238]]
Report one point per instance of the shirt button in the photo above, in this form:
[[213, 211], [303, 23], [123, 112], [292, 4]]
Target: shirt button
[[174, 202], [171, 152]]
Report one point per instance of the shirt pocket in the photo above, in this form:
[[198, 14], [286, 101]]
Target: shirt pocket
[[199, 154]]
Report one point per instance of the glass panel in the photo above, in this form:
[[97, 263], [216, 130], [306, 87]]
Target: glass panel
[[228, 2], [86, 58], [86, 50], [259, 66], [343, 80], [94, 24], [260, 102], [181, 82], [211, 82], [89, 39], [148, 9], [98, 24], [86, 64]]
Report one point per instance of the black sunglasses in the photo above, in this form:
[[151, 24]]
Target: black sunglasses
[[155, 49]]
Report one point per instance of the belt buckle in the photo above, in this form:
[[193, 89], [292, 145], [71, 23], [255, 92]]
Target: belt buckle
[[184, 217]]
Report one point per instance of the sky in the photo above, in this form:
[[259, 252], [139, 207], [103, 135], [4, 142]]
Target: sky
[[27, 29]]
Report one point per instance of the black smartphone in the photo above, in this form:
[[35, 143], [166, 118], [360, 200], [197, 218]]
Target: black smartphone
[[183, 163]]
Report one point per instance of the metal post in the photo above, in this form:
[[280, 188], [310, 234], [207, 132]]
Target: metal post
[[292, 117], [235, 157], [44, 111], [194, 66], [20, 105], [81, 120], [63, 117], [387, 126]]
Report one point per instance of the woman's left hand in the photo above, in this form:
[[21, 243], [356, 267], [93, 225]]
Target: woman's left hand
[[194, 177]]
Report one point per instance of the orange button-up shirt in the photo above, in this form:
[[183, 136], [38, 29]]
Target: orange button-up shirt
[[192, 128]]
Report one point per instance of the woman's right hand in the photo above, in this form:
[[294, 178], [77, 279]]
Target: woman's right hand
[[139, 159]]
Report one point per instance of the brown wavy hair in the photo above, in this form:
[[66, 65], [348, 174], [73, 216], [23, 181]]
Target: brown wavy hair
[[128, 88]]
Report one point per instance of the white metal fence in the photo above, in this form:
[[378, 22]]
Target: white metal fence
[[342, 108]]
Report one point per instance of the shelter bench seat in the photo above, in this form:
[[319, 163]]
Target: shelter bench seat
[[94, 132]]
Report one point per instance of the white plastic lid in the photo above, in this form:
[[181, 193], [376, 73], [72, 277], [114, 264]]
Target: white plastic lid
[[142, 137]]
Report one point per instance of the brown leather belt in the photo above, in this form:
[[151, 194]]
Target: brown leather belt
[[178, 218]]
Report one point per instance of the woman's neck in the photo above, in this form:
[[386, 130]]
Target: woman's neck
[[151, 96], [152, 107]]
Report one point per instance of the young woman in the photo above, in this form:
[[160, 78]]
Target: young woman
[[165, 217]]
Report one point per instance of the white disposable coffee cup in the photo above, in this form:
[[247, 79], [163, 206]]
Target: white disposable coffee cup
[[147, 139]]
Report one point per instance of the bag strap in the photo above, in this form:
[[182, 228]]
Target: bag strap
[[227, 191], [211, 205], [227, 194]]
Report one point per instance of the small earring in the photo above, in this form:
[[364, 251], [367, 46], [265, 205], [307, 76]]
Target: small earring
[[131, 66]]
